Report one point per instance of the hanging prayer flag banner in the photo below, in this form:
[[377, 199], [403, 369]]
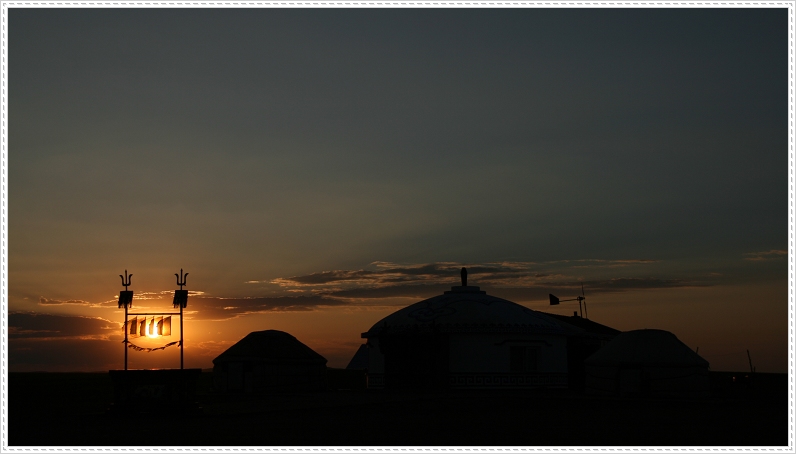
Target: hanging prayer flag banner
[[133, 331], [156, 325], [145, 349], [142, 327], [166, 331]]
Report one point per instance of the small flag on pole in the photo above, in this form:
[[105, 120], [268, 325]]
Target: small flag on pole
[[181, 298], [125, 297]]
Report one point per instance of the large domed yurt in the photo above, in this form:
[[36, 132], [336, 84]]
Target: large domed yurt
[[647, 362], [465, 338]]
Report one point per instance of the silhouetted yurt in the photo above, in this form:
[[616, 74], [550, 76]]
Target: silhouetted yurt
[[647, 362], [587, 337], [269, 361], [466, 339]]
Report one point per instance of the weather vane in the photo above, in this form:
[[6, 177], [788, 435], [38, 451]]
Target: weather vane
[[580, 299]]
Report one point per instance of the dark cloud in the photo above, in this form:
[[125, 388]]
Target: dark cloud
[[610, 263], [767, 255], [63, 355], [367, 294], [392, 291], [34, 325], [326, 277], [640, 283], [210, 308], [428, 279], [50, 302], [429, 269], [390, 273], [386, 273], [527, 293]]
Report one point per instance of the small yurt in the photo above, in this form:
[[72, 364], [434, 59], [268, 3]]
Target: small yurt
[[587, 338], [648, 362], [269, 361]]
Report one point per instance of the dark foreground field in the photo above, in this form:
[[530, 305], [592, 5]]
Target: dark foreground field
[[70, 410]]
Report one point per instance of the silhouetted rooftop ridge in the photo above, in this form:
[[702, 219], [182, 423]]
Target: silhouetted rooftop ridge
[[465, 289], [270, 346], [587, 325], [467, 309], [648, 347]]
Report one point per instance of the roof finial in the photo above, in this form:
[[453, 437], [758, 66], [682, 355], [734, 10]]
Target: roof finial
[[464, 277]]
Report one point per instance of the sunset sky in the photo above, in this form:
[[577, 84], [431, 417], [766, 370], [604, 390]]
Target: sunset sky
[[314, 170]]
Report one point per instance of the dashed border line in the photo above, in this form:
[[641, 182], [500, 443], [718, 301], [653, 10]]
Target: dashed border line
[[4, 243]]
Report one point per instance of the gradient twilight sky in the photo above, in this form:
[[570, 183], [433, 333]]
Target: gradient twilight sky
[[313, 170]]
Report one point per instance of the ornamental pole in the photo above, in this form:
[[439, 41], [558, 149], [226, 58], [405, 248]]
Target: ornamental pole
[[181, 298], [126, 299], [182, 342]]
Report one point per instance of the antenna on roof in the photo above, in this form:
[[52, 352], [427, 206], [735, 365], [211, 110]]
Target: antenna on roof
[[580, 299], [583, 298]]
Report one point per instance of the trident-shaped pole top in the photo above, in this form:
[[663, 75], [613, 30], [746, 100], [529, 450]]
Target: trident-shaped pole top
[[181, 277], [127, 282]]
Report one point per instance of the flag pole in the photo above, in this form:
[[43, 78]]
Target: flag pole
[[181, 298], [182, 343], [126, 299], [125, 337]]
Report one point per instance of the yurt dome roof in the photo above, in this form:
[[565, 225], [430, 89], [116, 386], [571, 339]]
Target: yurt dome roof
[[270, 346], [466, 309], [646, 347]]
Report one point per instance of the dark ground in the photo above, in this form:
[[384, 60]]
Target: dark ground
[[70, 410]]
